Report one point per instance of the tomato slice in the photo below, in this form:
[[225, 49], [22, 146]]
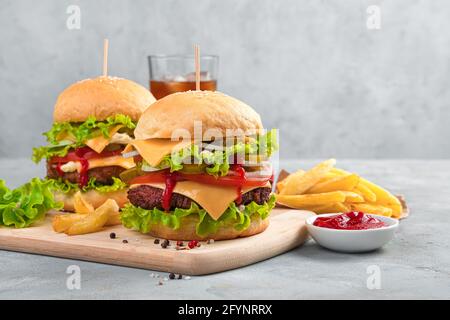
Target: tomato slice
[[154, 177], [229, 180], [85, 153]]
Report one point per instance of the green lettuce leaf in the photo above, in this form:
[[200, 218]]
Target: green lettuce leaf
[[240, 217], [69, 187], [26, 204], [79, 132], [217, 161]]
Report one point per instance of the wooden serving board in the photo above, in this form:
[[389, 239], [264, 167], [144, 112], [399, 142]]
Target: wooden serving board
[[286, 231]]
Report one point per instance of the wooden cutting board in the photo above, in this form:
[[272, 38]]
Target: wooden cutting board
[[286, 231]]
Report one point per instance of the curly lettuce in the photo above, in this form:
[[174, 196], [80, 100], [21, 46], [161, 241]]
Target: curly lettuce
[[238, 217], [68, 135], [26, 204], [69, 187], [218, 161]]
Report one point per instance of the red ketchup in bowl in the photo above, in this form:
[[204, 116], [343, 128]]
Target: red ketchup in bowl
[[349, 221]]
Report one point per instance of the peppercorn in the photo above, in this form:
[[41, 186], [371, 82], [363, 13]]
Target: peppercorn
[[112, 235], [171, 276], [125, 241], [180, 276], [192, 244], [156, 241]]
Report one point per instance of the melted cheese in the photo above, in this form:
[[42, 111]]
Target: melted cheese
[[214, 199], [120, 161], [66, 136], [126, 163], [98, 144], [154, 150]]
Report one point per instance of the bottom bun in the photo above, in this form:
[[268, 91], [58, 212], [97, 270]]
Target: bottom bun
[[95, 198], [187, 230]]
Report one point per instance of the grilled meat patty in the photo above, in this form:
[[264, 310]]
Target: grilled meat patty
[[102, 175], [148, 197]]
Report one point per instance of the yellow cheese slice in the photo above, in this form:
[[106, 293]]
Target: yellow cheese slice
[[154, 150], [66, 136], [126, 163], [98, 144], [120, 161], [214, 199]]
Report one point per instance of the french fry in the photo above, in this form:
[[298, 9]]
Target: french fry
[[385, 198], [294, 176], [352, 197], [339, 172], [325, 188], [62, 222], [282, 183], [94, 221], [302, 201], [113, 219], [80, 204], [365, 191], [372, 208], [334, 207], [330, 175], [339, 183], [300, 182]]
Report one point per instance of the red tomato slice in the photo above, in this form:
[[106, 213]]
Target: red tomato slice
[[156, 177], [85, 153]]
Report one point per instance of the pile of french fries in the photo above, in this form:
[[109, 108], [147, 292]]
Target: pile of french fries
[[86, 219], [326, 189]]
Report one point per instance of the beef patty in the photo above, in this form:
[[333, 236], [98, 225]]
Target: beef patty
[[148, 197], [102, 175]]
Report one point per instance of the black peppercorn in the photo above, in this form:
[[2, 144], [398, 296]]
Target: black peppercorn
[[112, 235]]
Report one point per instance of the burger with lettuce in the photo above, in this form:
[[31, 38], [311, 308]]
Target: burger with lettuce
[[203, 169], [93, 121]]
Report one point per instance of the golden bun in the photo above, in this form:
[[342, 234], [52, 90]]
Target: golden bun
[[186, 231], [102, 97], [179, 110], [93, 197]]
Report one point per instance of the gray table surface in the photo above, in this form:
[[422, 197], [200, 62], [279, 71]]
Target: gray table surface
[[416, 264]]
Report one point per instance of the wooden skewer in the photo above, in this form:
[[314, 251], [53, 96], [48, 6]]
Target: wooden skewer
[[197, 66], [105, 57]]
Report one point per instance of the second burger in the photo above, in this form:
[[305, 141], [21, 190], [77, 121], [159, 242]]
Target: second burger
[[93, 120]]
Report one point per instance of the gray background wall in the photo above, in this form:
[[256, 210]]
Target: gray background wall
[[311, 68]]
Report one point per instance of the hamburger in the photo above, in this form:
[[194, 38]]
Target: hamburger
[[94, 120], [202, 169]]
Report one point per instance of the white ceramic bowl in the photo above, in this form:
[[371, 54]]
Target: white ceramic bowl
[[352, 240]]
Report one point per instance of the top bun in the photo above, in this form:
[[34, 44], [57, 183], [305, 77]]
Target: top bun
[[102, 97], [214, 109]]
